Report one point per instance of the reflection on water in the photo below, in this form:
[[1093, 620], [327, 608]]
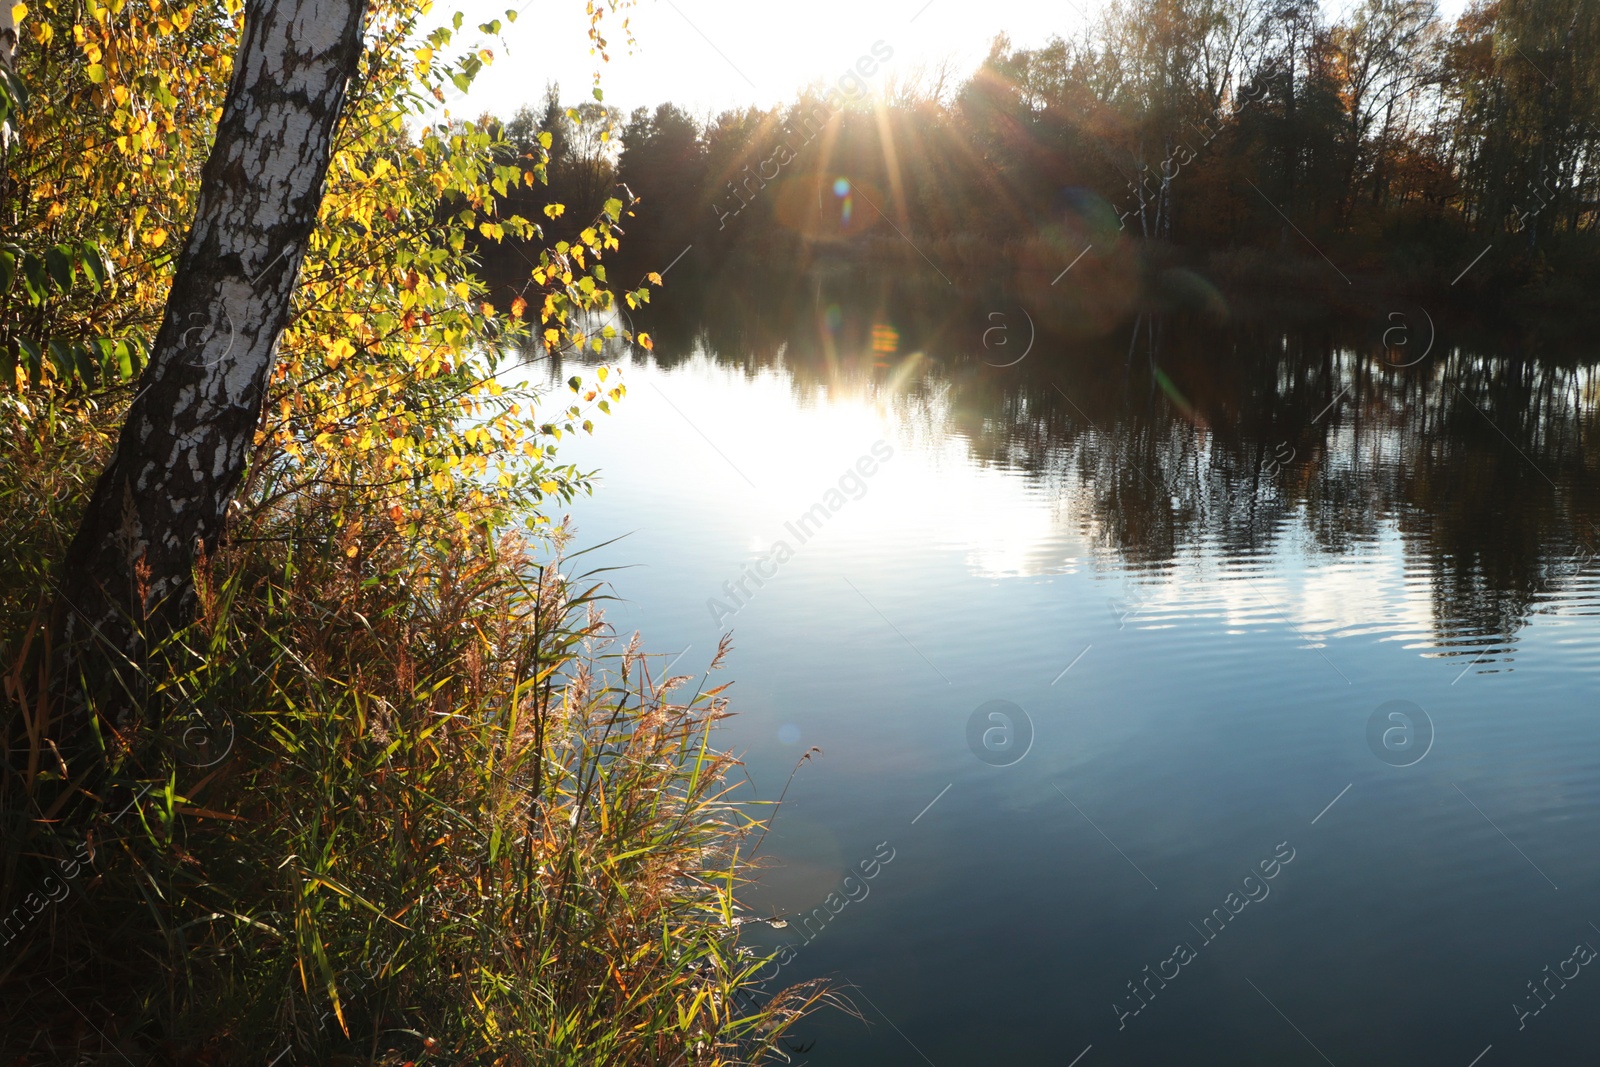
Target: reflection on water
[[1196, 444], [1201, 557]]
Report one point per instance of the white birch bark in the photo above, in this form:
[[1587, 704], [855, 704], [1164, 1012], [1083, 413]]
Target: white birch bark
[[183, 447], [8, 59]]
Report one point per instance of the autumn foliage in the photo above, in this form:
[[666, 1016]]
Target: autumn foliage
[[393, 796]]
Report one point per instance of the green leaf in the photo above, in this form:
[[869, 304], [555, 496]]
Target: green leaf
[[94, 268], [83, 364], [13, 94], [33, 278], [8, 270], [61, 359], [60, 266], [31, 355]]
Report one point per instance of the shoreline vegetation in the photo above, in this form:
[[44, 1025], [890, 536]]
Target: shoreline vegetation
[[359, 774], [416, 800], [1256, 146]]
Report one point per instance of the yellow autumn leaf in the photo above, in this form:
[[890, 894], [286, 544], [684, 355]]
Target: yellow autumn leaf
[[548, 487], [338, 351]]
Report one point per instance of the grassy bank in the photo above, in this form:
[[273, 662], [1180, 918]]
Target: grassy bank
[[399, 795]]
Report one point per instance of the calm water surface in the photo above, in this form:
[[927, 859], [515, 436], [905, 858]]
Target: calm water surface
[[1260, 601]]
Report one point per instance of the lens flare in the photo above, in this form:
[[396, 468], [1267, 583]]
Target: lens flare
[[842, 192]]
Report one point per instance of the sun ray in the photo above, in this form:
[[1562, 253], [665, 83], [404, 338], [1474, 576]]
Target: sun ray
[[891, 162]]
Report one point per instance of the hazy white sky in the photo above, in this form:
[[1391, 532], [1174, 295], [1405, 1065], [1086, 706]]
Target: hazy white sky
[[708, 55]]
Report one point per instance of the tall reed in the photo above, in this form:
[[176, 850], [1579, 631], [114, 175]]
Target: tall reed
[[391, 799]]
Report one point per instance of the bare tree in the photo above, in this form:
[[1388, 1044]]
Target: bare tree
[[1381, 49]]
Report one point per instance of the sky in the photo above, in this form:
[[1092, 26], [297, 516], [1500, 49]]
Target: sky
[[709, 55]]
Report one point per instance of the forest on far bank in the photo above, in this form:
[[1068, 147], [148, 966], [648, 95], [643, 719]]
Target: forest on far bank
[[1253, 142]]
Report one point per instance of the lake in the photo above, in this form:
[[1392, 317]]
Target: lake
[[1210, 689]]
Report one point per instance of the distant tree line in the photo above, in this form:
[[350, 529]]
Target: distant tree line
[[1247, 134]]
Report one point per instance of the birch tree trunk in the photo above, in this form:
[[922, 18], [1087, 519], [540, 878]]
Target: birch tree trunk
[[128, 573], [8, 36], [8, 58]]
